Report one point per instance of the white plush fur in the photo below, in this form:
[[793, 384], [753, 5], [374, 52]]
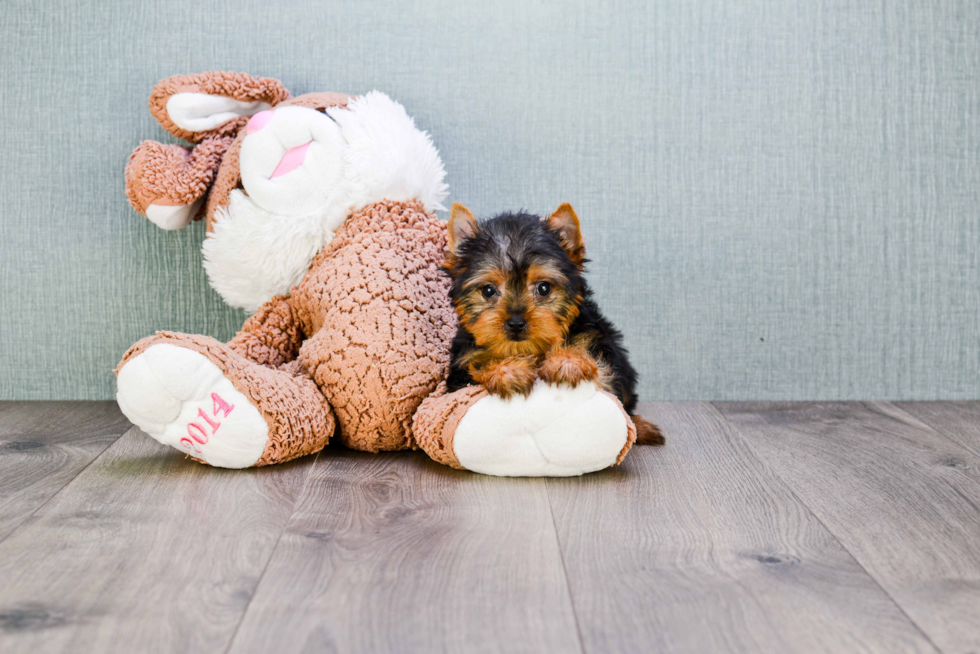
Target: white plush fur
[[387, 157], [316, 184], [556, 431], [163, 389], [175, 217], [255, 253], [197, 112]]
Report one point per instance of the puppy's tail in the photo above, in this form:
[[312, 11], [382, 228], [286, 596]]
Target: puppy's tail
[[647, 433]]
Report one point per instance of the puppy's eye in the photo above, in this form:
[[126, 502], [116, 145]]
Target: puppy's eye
[[543, 289], [488, 291]]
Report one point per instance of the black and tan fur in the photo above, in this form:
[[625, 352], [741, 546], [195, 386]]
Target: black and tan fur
[[526, 312]]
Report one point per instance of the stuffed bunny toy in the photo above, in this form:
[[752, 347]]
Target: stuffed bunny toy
[[320, 220]]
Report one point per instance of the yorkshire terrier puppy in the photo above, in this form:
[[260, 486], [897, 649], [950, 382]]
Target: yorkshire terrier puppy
[[526, 312]]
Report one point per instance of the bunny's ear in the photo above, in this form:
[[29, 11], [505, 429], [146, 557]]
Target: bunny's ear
[[196, 107]]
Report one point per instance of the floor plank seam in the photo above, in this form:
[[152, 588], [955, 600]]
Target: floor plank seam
[[564, 569], [775, 527], [819, 519], [66, 485], [931, 427], [272, 552]]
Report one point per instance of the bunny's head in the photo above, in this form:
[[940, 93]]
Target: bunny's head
[[274, 175]]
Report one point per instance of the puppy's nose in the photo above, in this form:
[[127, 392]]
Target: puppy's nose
[[516, 324]]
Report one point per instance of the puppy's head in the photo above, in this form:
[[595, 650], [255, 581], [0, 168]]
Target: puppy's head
[[517, 279]]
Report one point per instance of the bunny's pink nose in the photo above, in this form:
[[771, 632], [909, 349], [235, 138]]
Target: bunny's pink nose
[[292, 160], [258, 121]]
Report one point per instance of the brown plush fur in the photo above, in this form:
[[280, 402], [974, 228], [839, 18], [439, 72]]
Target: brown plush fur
[[239, 86], [172, 175], [359, 343]]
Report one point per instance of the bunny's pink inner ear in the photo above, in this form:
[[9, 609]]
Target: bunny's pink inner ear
[[200, 112]]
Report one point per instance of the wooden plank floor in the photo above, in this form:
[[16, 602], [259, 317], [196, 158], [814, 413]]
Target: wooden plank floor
[[763, 527]]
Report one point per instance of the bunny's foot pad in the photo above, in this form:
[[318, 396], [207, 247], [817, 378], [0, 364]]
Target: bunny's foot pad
[[182, 399], [556, 431]]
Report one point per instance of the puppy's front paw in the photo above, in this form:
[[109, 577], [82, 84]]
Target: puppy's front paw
[[570, 366], [507, 377]]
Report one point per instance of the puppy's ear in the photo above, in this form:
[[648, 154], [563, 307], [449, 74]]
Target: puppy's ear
[[565, 222], [462, 225]]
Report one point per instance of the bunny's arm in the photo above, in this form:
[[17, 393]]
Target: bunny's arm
[[167, 183]]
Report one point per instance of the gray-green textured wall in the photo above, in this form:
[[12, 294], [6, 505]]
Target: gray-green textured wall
[[780, 198]]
